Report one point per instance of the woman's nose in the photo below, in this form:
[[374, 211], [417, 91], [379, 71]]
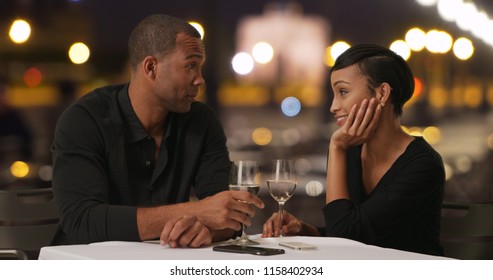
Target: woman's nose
[[335, 106]]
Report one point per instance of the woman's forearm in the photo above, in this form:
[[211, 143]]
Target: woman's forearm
[[336, 184]]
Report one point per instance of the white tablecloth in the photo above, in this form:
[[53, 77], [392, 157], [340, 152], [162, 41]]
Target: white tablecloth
[[328, 248]]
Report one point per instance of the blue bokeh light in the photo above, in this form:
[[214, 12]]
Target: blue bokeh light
[[291, 106]]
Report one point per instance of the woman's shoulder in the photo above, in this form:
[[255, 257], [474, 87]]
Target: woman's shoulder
[[421, 157], [419, 146]]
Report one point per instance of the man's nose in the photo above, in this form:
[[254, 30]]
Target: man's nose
[[199, 79]]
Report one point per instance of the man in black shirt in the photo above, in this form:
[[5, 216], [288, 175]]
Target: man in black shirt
[[127, 156]]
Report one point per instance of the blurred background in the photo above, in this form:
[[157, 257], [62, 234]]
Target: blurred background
[[266, 75]]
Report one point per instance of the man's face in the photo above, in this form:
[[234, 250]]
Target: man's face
[[179, 74]]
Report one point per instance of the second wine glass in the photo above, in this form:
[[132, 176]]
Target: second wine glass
[[244, 176], [282, 184]]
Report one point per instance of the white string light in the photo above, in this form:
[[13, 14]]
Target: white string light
[[467, 16]]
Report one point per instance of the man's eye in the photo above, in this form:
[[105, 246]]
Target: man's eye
[[191, 66]]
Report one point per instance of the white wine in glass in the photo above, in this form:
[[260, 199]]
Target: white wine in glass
[[282, 184], [244, 176]]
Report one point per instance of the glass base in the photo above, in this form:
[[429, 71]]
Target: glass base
[[243, 242]]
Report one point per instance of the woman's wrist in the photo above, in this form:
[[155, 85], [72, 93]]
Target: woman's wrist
[[336, 147]]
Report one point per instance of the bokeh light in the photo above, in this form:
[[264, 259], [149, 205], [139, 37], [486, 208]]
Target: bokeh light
[[438, 97], [418, 87], [338, 48], [290, 106], [302, 166], [291, 136], [19, 169], [199, 28], [489, 141], [415, 39], [473, 95], [32, 77], [481, 25], [45, 173], [405, 129], [466, 17], [427, 2], [438, 41], [432, 134], [328, 59], [242, 63], [449, 171], [314, 188], [20, 31], [463, 48], [463, 164], [262, 136], [415, 131], [449, 9], [79, 53], [262, 52], [401, 48]]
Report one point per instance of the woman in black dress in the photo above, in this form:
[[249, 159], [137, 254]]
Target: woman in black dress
[[384, 187]]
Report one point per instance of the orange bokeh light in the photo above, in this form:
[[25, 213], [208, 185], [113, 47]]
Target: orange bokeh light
[[418, 87], [33, 77]]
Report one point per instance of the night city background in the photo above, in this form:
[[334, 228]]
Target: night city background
[[274, 105]]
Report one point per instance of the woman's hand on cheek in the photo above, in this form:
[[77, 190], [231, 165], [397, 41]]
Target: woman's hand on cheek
[[359, 126]]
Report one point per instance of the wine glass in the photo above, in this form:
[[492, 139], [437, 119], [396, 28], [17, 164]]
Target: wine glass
[[282, 184], [244, 176]]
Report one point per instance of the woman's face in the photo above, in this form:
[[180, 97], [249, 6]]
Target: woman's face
[[350, 87]]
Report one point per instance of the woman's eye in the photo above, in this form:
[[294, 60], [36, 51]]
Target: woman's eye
[[343, 91]]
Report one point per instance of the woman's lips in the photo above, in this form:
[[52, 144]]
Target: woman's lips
[[340, 120]]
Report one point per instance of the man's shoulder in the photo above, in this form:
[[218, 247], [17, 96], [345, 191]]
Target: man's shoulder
[[199, 110], [199, 107], [100, 103], [101, 97]]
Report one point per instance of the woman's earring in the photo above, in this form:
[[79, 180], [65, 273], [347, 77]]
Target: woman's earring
[[382, 104]]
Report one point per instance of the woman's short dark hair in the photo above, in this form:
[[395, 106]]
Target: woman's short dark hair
[[156, 35], [380, 65]]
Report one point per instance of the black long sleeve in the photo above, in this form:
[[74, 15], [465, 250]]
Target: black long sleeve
[[402, 212], [105, 168]]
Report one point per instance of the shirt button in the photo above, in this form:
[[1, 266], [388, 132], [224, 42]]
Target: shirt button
[[148, 162]]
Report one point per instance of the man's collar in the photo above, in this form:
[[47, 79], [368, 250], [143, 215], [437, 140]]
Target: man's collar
[[136, 132]]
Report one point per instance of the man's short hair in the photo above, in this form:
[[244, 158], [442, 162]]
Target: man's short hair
[[156, 35]]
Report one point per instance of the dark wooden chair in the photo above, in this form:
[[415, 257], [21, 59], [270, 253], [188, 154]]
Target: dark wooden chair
[[28, 221], [467, 230]]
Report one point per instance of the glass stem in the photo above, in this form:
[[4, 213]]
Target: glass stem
[[281, 205], [243, 233]]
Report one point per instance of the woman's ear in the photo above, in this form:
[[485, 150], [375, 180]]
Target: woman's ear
[[383, 93]]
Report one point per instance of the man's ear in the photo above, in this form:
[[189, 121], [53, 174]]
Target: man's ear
[[383, 93], [149, 66]]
